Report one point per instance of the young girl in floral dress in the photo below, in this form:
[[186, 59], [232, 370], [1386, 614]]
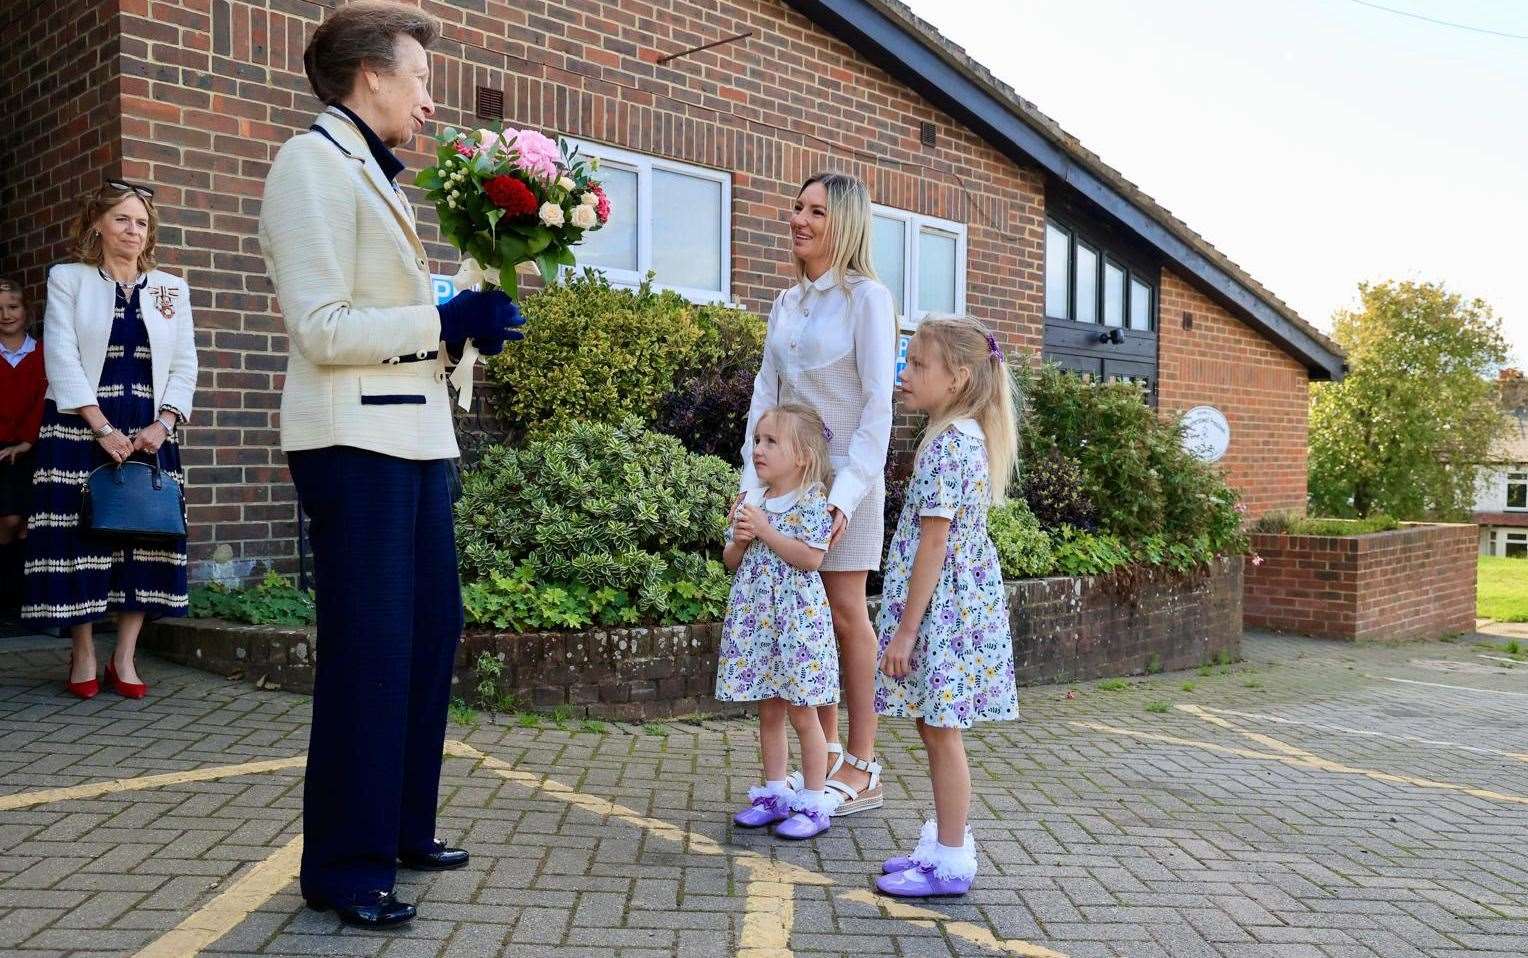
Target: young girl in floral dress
[[946, 654], [777, 642]]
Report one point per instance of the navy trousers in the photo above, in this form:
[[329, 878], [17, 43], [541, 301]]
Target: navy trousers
[[389, 618]]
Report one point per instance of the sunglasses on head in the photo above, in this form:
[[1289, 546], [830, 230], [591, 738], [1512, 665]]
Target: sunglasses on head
[[147, 192]]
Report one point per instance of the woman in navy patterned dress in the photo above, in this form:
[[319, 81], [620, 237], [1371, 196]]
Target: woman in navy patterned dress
[[121, 364]]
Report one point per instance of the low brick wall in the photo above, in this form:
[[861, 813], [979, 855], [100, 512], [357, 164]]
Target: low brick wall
[[271, 656], [1416, 582], [1064, 630]]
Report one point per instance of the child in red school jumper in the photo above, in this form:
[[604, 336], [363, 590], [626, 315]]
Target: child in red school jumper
[[22, 386]]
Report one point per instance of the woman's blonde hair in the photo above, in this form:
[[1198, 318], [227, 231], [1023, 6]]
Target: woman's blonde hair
[[848, 226], [87, 240], [808, 438], [960, 342]]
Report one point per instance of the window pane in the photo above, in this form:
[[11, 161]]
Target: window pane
[[936, 272], [888, 254], [1516, 550], [1114, 295], [687, 230], [1140, 304], [1056, 272], [1517, 495], [1087, 285], [614, 246]]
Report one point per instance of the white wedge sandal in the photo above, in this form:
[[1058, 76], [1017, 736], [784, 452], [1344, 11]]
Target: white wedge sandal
[[797, 781], [853, 799]]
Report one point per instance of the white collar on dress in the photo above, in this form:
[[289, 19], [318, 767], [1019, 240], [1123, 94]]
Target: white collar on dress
[[971, 428], [777, 504]]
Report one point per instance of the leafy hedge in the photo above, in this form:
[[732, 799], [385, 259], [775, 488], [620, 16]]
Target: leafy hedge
[[600, 353], [621, 521]]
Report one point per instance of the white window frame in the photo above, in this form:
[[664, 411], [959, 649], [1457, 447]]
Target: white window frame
[[1513, 539], [912, 226], [644, 166], [1515, 478]]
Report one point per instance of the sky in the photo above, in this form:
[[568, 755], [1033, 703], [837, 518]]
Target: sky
[[1317, 143]]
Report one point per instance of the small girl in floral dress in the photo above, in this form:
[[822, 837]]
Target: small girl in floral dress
[[777, 642], [946, 653]]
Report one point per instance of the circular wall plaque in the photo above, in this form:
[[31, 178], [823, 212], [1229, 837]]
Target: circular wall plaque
[[1206, 434]]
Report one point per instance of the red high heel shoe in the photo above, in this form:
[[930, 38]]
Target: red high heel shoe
[[128, 690], [87, 689]]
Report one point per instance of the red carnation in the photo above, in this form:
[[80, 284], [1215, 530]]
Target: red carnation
[[511, 196], [601, 208]]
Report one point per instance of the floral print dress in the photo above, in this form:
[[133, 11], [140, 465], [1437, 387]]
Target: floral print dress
[[777, 640], [962, 659]]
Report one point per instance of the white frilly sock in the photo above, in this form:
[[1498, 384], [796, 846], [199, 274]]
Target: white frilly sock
[[947, 862], [770, 788], [807, 800]]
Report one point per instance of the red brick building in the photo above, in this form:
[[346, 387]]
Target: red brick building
[[984, 205]]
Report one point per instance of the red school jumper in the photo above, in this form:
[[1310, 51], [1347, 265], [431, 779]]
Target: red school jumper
[[22, 389]]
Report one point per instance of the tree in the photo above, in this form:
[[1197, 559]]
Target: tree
[[1404, 432]]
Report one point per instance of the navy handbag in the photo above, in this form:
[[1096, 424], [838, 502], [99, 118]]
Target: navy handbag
[[135, 500]]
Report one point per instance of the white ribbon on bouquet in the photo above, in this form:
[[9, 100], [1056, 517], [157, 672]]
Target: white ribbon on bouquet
[[470, 275]]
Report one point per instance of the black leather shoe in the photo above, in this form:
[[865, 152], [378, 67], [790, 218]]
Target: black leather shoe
[[439, 858], [379, 909]]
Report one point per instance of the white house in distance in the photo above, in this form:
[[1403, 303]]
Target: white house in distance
[[1501, 494]]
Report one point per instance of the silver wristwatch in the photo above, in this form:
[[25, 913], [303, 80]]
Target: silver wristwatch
[[104, 431]]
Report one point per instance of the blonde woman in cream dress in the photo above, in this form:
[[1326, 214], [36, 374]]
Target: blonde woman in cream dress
[[832, 346]]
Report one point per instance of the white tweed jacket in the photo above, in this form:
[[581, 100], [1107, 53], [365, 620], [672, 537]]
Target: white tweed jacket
[[353, 283], [77, 330]]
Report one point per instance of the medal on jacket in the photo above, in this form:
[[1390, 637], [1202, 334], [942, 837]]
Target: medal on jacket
[[164, 299]]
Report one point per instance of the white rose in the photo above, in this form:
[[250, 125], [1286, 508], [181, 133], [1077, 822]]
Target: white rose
[[590, 199], [487, 139], [551, 214], [566, 183], [584, 217]]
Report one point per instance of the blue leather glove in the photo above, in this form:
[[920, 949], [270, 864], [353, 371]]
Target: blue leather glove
[[487, 318]]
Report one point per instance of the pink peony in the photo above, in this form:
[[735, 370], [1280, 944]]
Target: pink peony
[[536, 154]]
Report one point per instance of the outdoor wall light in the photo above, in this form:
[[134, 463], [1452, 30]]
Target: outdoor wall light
[[1115, 336]]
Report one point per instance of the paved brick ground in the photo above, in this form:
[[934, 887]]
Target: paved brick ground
[[1324, 800]]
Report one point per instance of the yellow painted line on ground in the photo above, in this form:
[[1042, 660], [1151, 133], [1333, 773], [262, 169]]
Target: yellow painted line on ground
[[964, 930], [1346, 730], [1302, 759], [95, 789], [223, 913]]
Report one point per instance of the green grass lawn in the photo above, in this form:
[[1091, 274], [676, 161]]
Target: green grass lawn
[[1502, 589]]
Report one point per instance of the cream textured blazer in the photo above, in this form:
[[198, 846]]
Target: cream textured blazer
[[77, 329], [353, 283]]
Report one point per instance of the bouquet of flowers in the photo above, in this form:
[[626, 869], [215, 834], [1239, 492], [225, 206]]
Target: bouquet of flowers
[[506, 197]]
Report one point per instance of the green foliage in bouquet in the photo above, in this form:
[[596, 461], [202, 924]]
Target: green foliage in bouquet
[[274, 601], [624, 521], [601, 353]]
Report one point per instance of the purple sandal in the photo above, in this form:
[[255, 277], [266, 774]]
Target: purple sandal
[[922, 883], [807, 823]]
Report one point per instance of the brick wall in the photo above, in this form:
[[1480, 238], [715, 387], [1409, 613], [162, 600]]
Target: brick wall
[[59, 96], [1064, 630], [209, 90], [1417, 582], [1218, 360]]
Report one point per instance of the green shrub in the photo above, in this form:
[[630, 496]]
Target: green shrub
[[1087, 553], [1133, 468], [595, 506], [1023, 548], [1296, 525], [601, 353], [274, 601], [519, 602]]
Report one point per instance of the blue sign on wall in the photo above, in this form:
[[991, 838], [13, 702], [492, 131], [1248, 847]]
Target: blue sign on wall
[[902, 340], [443, 288]]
